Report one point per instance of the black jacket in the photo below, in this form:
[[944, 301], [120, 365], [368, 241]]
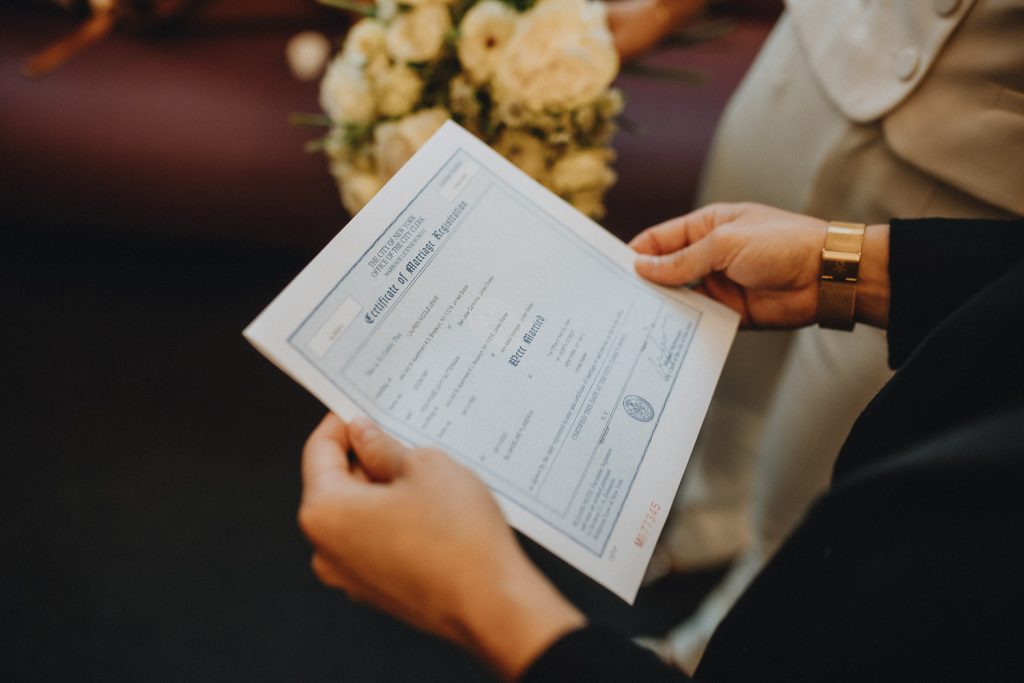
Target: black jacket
[[911, 566]]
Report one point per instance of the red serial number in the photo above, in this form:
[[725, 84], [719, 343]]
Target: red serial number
[[647, 525]]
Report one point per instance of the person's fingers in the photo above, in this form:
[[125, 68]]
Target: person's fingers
[[380, 455], [681, 231], [324, 458], [683, 266], [661, 238]]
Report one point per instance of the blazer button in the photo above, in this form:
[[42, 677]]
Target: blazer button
[[904, 63], [945, 7]]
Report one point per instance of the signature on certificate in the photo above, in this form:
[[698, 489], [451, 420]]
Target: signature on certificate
[[665, 350]]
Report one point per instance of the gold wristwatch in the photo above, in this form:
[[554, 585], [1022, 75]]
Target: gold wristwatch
[[840, 263]]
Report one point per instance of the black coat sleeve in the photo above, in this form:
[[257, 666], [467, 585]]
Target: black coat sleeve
[[596, 653], [936, 265], [811, 604]]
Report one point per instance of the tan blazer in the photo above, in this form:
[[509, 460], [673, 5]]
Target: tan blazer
[[865, 110], [940, 82]]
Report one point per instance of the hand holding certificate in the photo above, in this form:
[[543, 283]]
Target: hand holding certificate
[[468, 309]]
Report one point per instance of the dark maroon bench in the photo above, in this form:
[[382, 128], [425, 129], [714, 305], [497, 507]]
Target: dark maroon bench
[[186, 134]]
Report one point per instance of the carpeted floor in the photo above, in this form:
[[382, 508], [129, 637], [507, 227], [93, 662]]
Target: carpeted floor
[[150, 480]]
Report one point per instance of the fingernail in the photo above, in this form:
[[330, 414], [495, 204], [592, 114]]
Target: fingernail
[[646, 260]]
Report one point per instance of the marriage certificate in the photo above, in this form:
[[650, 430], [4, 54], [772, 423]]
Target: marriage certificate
[[468, 308]]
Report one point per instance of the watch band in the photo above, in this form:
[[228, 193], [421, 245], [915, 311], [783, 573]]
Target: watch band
[[840, 264]]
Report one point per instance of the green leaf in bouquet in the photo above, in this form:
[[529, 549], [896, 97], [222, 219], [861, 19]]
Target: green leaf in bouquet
[[488, 125], [356, 135], [520, 5], [437, 75], [310, 120], [701, 32], [316, 145], [458, 10]]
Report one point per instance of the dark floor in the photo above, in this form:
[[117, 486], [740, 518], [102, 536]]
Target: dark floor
[[150, 482]]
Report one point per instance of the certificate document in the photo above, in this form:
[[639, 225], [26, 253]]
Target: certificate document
[[468, 308]]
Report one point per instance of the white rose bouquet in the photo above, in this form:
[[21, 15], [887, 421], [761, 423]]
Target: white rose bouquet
[[529, 77]]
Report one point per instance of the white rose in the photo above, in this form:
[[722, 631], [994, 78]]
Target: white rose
[[397, 90], [345, 93], [418, 35], [483, 34], [582, 170], [561, 56], [364, 42], [396, 142], [357, 187], [525, 151]]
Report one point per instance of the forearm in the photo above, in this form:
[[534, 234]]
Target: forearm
[[509, 621]]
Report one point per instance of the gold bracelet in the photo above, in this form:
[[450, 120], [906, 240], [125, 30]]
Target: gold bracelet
[[840, 264]]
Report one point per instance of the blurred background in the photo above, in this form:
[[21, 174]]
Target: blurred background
[[153, 198]]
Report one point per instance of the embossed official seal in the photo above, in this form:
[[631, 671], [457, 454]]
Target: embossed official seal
[[638, 408]]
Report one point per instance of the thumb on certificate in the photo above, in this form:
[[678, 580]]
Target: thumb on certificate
[[678, 267], [379, 455]]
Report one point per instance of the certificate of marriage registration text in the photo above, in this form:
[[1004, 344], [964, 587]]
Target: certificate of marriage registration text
[[468, 308]]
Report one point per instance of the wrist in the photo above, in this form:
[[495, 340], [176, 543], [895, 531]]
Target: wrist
[[872, 304], [854, 281], [514, 617]]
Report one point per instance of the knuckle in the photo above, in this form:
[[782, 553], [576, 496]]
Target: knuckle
[[671, 264], [323, 571], [317, 565], [310, 443], [722, 247], [720, 240], [719, 211], [310, 519]]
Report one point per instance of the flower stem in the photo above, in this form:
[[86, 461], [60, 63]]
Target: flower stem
[[664, 73], [366, 9], [315, 146], [311, 120]]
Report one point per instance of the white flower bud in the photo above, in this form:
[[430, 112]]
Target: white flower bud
[[418, 35], [483, 34], [561, 56], [345, 93]]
